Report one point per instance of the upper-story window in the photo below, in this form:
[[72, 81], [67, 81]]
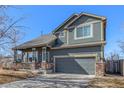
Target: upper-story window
[[62, 34], [84, 31]]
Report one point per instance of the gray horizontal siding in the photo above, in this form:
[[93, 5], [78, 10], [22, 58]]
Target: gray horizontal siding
[[96, 35], [87, 50], [84, 19]]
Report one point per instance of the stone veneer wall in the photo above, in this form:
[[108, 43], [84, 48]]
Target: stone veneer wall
[[100, 68], [17, 66], [1, 67]]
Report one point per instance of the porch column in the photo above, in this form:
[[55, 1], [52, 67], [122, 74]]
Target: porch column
[[15, 55], [27, 56], [22, 56], [33, 54], [44, 60], [43, 54], [33, 58]]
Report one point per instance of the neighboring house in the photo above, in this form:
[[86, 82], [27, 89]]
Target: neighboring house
[[76, 46]]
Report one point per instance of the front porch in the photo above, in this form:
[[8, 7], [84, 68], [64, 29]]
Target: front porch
[[33, 58]]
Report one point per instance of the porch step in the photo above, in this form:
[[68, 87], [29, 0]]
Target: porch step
[[39, 71], [43, 71]]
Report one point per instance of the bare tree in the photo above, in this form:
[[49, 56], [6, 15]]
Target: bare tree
[[121, 45], [10, 31], [114, 56]]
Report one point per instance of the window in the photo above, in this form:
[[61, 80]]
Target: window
[[84, 31], [62, 34]]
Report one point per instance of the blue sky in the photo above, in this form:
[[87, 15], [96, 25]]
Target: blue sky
[[47, 18]]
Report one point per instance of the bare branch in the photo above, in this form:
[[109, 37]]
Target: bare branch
[[121, 45], [10, 31], [11, 26]]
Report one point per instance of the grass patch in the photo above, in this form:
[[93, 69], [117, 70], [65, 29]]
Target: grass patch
[[7, 79], [107, 82], [7, 76]]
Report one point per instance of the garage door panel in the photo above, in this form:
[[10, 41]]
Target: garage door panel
[[88, 64], [76, 65]]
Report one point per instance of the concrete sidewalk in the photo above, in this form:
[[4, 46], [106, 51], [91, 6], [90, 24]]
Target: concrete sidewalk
[[52, 81]]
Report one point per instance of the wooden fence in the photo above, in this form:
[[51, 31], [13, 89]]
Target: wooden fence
[[114, 67]]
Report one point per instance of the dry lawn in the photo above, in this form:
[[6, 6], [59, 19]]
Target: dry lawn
[[107, 82], [7, 76]]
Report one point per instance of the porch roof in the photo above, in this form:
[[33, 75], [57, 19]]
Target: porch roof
[[40, 41]]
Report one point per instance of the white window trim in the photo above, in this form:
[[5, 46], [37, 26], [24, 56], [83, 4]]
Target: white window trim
[[63, 33], [84, 37]]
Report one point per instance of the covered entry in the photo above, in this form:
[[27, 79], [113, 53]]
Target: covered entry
[[75, 64]]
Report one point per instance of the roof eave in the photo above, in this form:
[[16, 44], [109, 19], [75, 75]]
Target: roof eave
[[96, 16], [27, 47], [81, 45]]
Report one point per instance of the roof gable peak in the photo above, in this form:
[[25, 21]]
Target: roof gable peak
[[77, 16]]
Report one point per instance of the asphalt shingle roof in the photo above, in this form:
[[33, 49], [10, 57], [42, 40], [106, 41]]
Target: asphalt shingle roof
[[40, 41]]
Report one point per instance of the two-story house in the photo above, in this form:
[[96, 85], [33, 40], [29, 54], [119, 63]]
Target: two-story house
[[76, 46]]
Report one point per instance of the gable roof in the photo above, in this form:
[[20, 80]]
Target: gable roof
[[72, 17], [45, 40], [40, 41], [71, 20]]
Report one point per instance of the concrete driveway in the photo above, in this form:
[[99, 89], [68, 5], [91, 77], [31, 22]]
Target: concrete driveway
[[52, 81]]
